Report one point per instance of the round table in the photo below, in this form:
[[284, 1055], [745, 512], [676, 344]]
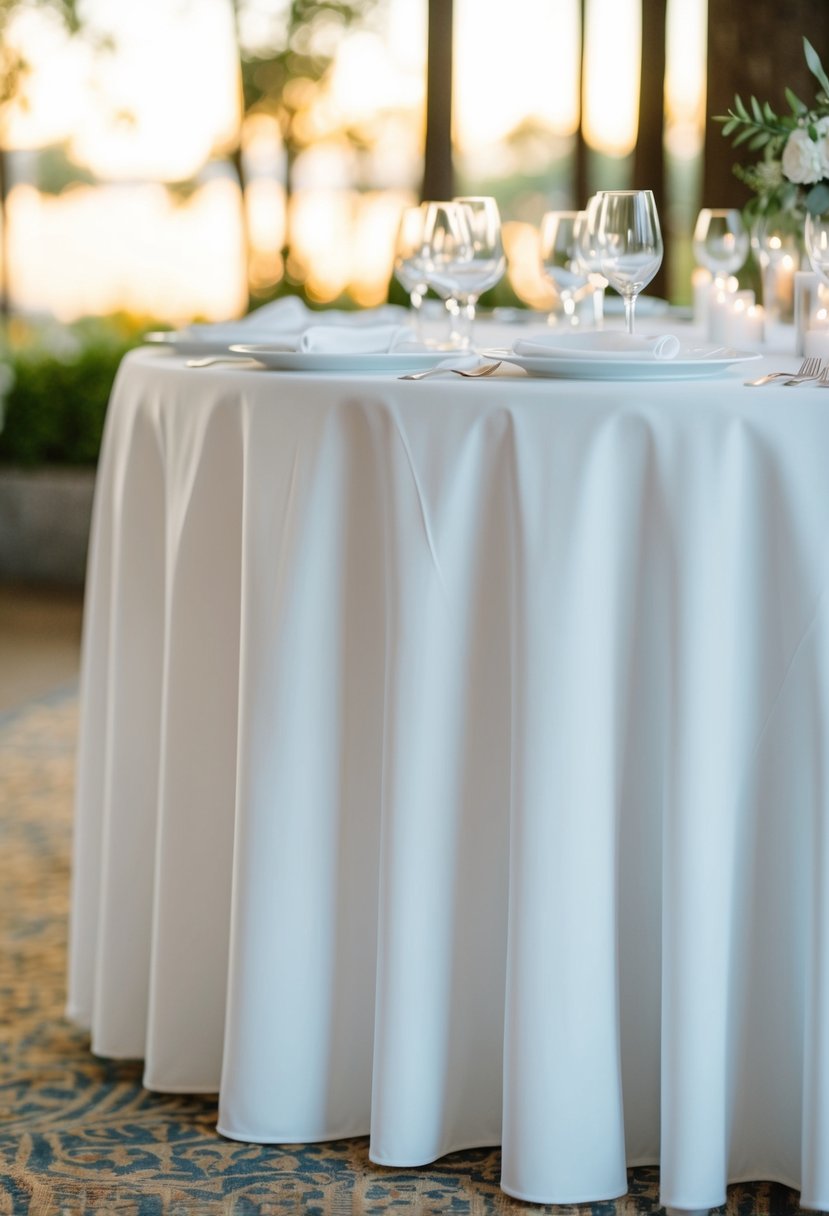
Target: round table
[[453, 768]]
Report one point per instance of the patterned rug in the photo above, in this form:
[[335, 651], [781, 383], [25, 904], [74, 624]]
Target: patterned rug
[[81, 1135]]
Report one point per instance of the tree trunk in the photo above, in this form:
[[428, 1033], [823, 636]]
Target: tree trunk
[[438, 166], [581, 185], [755, 47], [649, 153]]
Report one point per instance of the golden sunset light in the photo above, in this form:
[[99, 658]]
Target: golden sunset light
[[166, 101]]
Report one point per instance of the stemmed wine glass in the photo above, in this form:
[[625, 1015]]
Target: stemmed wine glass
[[630, 243], [559, 261], [588, 256], [776, 241], [410, 258], [488, 262], [463, 257], [721, 241]]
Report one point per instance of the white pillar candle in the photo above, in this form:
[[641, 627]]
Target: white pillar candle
[[816, 337], [746, 323], [719, 308], [816, 342]]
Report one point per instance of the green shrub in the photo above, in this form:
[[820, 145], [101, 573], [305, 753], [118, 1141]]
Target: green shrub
[[54, 411]]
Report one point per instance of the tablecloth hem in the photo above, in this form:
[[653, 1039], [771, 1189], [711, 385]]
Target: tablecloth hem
[[81, 1018], [294, 1138], [734, 1180], [161, 1088], [459, 1147], [576, 1197]]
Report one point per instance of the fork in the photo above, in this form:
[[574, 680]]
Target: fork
[[823, 379], [814, 372], [474, 374], [212, 360], [809, 368]]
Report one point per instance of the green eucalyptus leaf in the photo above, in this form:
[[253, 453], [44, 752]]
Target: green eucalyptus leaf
[[794, 101], [742, 112], [817, 200], [759, 140], [768, 113], [815, 66], [755, 109], [745, 134]]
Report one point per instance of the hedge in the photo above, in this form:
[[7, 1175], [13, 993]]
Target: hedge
[[54, 411]]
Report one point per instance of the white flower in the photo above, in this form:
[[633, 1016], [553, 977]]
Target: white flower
[[802, 158]]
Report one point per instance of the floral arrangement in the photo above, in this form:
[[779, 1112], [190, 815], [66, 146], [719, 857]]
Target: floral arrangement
[[792, 177]]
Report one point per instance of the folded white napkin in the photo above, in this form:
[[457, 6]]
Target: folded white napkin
[[599, 345], [358, 339], [287, 318]]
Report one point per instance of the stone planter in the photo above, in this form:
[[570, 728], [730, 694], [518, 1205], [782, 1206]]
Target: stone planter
[[44, 524]]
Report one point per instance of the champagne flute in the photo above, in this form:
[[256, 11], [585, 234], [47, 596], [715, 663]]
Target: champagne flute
[[721, 241], [630, 243], [410, 258], [588, 256], [559, 261]]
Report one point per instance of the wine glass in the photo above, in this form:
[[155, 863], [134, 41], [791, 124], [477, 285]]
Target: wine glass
[[464, 257], [630, 243], [588, 256], [559, 261], [410, 258], [776, 241], [488, 262], [721, 241]]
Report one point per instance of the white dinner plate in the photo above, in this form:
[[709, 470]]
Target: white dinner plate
[[345, 361], [187, 344], [692, 362]]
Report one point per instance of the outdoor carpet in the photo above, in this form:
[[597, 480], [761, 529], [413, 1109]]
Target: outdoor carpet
[[80, 1134]]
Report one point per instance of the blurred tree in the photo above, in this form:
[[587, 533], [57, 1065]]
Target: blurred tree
[[286, 53], [57, 170], [14, 70]]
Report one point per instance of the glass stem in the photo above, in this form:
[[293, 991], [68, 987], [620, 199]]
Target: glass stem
[[630, 305], [598, 306], [416, 298], [462, 317]]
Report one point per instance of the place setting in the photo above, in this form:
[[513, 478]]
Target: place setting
[[287, 335], [454, 250], [615, 241]]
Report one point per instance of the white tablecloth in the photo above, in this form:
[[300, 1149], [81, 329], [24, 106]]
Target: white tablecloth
[[454, 768]]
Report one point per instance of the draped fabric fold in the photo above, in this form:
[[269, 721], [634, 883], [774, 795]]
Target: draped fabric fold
[[451, 771]]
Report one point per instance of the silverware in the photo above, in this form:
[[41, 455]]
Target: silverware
[[809, 368], [823, 379], [814, 373], [210, 360], [474, 374]]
